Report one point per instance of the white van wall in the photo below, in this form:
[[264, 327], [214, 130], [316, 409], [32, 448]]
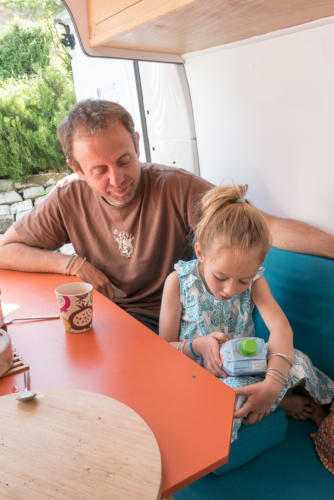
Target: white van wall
[[264, 115], [111, 79], [166, 101]]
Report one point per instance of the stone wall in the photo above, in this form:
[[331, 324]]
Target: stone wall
[[18, 198]]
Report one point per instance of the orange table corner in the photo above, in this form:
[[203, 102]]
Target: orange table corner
[[189, 411]]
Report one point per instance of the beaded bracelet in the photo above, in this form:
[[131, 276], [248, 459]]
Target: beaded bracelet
[[70, 263], [81, 264], [196, 356]]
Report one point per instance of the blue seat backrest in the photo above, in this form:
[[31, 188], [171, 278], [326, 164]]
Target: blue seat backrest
[[303, 285]]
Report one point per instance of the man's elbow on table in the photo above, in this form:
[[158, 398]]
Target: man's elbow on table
[[16, 255], [7, 253]]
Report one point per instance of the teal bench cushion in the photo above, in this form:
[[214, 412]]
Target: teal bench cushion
[[289, 471], [255, 439]]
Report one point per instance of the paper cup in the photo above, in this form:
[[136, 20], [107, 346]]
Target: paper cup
[[76, 306]]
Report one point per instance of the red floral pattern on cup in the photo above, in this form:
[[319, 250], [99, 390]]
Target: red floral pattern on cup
[[64, 303]]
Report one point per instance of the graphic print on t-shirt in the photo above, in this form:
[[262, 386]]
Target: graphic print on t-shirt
[[124, 241]]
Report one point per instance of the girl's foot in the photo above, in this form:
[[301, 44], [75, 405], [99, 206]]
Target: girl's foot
[[297, 406], [302, 407]]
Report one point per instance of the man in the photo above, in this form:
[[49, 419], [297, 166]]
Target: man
[[128, 222]]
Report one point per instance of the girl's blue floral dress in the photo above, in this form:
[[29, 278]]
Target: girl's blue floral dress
[[202, 313]]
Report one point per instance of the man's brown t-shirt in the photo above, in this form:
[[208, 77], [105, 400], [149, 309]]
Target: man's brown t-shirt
[[137, 245]]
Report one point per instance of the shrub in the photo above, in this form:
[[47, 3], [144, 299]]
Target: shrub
[[23, 52], [34, 8], [30, 111]]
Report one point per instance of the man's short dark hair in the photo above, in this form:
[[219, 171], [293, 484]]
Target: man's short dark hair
[[92, 116]]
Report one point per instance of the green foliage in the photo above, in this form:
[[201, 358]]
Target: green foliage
[[23, 52], [34, 8], [30, 111], [36, 91]]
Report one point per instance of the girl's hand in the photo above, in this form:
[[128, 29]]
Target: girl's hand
[[260, 397], [208, 348]]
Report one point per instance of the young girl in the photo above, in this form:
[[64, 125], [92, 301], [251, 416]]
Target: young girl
[[210, 300]]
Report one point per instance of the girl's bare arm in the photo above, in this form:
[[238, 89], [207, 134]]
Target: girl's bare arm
[[170, 312], [262, 395], [169, 329]]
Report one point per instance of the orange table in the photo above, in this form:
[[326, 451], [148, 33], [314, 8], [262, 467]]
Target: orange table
[[189, 411]]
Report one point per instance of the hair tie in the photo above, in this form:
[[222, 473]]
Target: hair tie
[[241, 200]]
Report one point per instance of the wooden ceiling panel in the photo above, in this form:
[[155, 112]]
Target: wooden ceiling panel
[[190, 25], [208, 23]]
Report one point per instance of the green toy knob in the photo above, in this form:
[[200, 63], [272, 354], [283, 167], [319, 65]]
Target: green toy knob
[[248, 347]]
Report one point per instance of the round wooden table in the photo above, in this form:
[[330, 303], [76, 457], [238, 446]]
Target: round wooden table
[[78, 445]]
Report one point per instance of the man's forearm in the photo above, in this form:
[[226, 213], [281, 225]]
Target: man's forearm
[[18, 256], [297, 236], [21, 257]]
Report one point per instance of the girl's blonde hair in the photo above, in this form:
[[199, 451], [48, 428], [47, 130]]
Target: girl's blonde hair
[[227, 215]]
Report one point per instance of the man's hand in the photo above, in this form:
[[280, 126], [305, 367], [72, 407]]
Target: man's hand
[[208, 348], [89, 273], [260, 397]]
